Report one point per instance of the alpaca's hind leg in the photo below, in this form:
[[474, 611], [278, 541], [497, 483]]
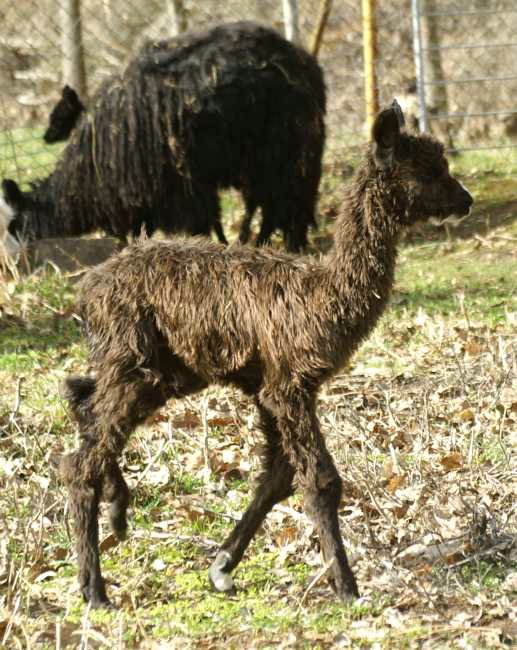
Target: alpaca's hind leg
[[84, 497], [116, 493], [321, 484], [274, 485], [92, 472]]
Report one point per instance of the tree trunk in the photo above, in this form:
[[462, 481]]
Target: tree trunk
[[74, 73], [178, 16], [291, 21]]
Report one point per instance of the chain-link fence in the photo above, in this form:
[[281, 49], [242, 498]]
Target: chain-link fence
[[466, 70], [467, 49]]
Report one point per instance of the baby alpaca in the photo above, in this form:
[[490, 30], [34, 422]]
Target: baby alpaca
[[167, 319]]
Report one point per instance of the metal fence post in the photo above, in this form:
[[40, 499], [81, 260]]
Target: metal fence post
[[370, 58], [423, 122]]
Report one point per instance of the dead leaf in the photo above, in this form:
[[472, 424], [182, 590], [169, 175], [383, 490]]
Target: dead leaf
[[109, 542], [286, 535], [222, 421], [60, 553], [401, 511], [187, 420], [452, 461], [473, 348], [395, 483], [466, 415], [194, 512]]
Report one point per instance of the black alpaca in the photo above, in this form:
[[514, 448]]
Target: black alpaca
[[237, 106]]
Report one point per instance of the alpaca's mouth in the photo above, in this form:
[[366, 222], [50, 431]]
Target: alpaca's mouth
[[451, 219], [452, 214]]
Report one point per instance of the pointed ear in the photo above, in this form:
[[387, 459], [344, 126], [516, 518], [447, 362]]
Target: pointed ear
[[12, 194], [70, 95], [386, 134]]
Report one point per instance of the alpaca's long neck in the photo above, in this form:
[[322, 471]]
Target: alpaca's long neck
[[46, 219], [362, 263], [60, 205]]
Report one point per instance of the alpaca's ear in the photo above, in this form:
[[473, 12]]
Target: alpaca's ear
[[70, 96], [386, 134], [12, 193]]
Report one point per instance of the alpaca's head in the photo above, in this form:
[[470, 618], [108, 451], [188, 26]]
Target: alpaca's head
[[416, 168], [9, 245], [17, 211], [64, 116]]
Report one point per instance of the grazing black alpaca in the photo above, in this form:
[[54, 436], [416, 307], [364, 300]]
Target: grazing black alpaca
[[166, 319], [237, 106]]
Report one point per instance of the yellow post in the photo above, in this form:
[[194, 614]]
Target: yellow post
[[321, 23], [370, 57]]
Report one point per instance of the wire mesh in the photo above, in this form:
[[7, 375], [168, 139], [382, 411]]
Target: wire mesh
[[474, 38]]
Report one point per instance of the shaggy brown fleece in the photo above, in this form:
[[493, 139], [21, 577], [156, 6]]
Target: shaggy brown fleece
[[165, 319]]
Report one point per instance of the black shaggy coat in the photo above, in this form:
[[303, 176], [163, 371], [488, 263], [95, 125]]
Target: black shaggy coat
[[236, 106]]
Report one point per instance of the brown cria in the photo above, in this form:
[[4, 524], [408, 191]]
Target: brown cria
[[167, 319]]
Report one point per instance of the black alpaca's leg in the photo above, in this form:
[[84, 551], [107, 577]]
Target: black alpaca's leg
[[295, 237], [275, 484], [245, 230], [321, 484], [92, 472], [218, 228], [206, 212], [268, 225], [299, 215]]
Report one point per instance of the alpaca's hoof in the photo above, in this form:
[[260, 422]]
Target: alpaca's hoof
[[347, 592], [96, 598], [119, 528], [120, 534], [97, 601], [220, 579], [347, 597]]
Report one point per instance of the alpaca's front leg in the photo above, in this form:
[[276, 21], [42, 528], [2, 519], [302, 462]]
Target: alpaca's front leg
[[322, 495], [320, 482], [274, 484]]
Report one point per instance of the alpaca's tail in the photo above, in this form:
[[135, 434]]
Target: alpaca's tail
[[78, 391]]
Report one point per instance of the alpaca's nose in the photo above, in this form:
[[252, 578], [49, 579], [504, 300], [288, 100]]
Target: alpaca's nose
[[466, 200]]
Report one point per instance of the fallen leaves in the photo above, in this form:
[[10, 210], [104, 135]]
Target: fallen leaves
[[424, 432], [452, 461]]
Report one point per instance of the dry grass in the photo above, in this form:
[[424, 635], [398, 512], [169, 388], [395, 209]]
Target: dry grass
[[423, 426]]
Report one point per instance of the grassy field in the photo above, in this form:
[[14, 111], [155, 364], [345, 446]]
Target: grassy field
[[423, 426]]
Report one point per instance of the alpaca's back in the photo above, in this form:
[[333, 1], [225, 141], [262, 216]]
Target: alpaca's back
[[216, 308]]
